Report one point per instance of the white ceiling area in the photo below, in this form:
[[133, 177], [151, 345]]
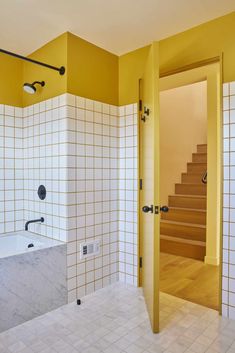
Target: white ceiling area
[[118, 26]]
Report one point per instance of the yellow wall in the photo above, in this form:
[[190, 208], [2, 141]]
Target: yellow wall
[[95, 73], [11, 76], [131, 68], [207, 40], [92, 71], [53, 53]]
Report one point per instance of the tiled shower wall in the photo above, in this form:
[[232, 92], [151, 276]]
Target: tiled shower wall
[[85, 153], [11, 169], [45, 162], [93, 193], [228, 286], [102, 167], [102, 193]]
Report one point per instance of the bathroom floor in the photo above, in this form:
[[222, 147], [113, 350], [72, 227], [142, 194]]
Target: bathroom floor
[[114, 320]]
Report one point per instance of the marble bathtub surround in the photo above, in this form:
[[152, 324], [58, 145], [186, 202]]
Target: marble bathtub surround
[[32, 284]]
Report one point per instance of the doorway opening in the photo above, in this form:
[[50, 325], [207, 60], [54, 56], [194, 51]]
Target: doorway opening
[[190, 180]]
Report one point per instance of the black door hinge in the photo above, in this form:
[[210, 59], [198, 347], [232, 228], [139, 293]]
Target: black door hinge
[[141, 184], [141, 262], [140, 105]]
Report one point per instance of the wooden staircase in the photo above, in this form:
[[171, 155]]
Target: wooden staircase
[[183, 227]]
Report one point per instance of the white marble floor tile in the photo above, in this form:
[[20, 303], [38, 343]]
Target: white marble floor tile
[[114, 320]]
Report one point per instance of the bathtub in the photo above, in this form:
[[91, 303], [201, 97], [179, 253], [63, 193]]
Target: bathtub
[[32, 277], [24, 242]]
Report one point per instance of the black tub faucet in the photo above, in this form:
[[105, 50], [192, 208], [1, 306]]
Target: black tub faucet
[[33, 221]]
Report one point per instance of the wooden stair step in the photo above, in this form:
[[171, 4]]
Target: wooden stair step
[[196, 167], [199, 158], [183, 230], [193, 249], [190, 189], [183, 227], [185, 215], [187, 201], [202, 148], [192, 178]]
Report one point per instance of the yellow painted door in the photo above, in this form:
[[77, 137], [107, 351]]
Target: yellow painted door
[[149, 195]]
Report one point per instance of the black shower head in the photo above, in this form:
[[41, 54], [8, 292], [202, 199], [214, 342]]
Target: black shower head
[[30, 87]]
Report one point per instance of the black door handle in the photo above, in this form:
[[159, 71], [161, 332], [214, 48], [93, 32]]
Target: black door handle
[[147, 209], [164, 209]]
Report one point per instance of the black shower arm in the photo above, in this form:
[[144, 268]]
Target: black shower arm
[[60, 69], [42, 83]]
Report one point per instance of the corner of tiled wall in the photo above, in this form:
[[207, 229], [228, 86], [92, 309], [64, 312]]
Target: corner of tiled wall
[[11, 169], [128, 174], [93, 193]]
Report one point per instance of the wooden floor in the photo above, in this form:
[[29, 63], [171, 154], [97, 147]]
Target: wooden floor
[[190, 279]]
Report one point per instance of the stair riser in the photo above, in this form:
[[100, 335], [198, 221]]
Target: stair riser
[[199, 158], [184, 216], [191, 178], [196, 168], [202, 148], [187, 250], [187, 189], [187, 202], [182, 231]]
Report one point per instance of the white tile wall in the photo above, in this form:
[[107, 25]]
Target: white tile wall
[[92, 193], [85, 153], [45, 162], [128, 176], [228, 279], [11, 169]]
